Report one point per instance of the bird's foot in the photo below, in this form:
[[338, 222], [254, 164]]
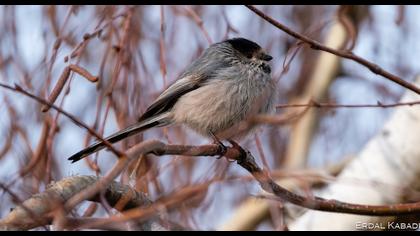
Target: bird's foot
[[222, 149]]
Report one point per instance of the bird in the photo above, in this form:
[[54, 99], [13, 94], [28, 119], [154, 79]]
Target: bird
[[227, 84]]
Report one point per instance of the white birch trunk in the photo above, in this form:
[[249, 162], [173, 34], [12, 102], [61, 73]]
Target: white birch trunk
[[391, 157]]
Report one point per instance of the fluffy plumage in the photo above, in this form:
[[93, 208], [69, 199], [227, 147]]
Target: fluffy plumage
[[229, 83]]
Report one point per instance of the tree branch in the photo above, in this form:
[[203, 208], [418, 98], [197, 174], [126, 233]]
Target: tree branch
[[342, 53], [247, 161], [19, 89], [334, 105], [41, 205], [75, 189]]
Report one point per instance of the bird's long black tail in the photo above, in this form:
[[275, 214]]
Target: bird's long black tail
[[122, 134]]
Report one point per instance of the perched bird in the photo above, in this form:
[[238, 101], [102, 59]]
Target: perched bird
[[229, 83]]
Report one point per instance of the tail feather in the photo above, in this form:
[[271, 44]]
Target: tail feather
[[131, 130]]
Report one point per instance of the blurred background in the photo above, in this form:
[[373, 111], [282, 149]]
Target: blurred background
[[138, 51]]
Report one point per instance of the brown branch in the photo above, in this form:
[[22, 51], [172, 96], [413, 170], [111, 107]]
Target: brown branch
[[199, 22], [162, 51], [40, 206], [88, 36], [123, 161], [333, 105], [247, 161], [83, 72], [12, 129], [63, 79], [93, 207], [400, 15], [346, 22], [276, 119], [229, 26], [40, 149], [30, 213], [88, 188], [172, 201], [68, 115], [57, 88], [342, 53], [75, 223]]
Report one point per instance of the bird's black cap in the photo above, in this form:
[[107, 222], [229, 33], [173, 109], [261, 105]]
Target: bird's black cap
[[244, 46]]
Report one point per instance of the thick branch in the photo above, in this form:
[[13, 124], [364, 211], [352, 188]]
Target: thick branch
[[40, 205]]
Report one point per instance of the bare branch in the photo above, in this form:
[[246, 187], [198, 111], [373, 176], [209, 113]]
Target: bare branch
[[41, 205], [73, 190], [333, 105], [342, 53], [70, 116]]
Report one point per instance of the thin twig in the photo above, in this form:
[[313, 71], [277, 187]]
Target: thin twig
[[83, 72], [65, 75], [162, 50], [334, 105], [199, 22], [68, 115]]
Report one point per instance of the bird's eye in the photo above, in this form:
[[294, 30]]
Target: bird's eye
[[249, 56]]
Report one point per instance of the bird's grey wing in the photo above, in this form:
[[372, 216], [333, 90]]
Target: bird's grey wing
[[155, 115], [169, 97], [196, 75]]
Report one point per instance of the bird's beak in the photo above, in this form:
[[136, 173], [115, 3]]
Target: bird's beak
[[266, 57]]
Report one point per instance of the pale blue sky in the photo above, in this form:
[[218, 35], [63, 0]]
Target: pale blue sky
[[381, 47]]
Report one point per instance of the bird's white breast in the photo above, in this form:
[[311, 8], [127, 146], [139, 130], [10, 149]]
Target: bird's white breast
[[219, 105]]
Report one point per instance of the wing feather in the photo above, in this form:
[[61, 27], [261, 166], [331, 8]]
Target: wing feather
[[168, 98]]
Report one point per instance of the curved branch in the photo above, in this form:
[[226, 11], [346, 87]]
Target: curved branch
[[78, 122], [75, 189], [342, 53], [247, 161]]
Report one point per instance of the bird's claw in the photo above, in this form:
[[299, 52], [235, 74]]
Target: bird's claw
[[222, 149]]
